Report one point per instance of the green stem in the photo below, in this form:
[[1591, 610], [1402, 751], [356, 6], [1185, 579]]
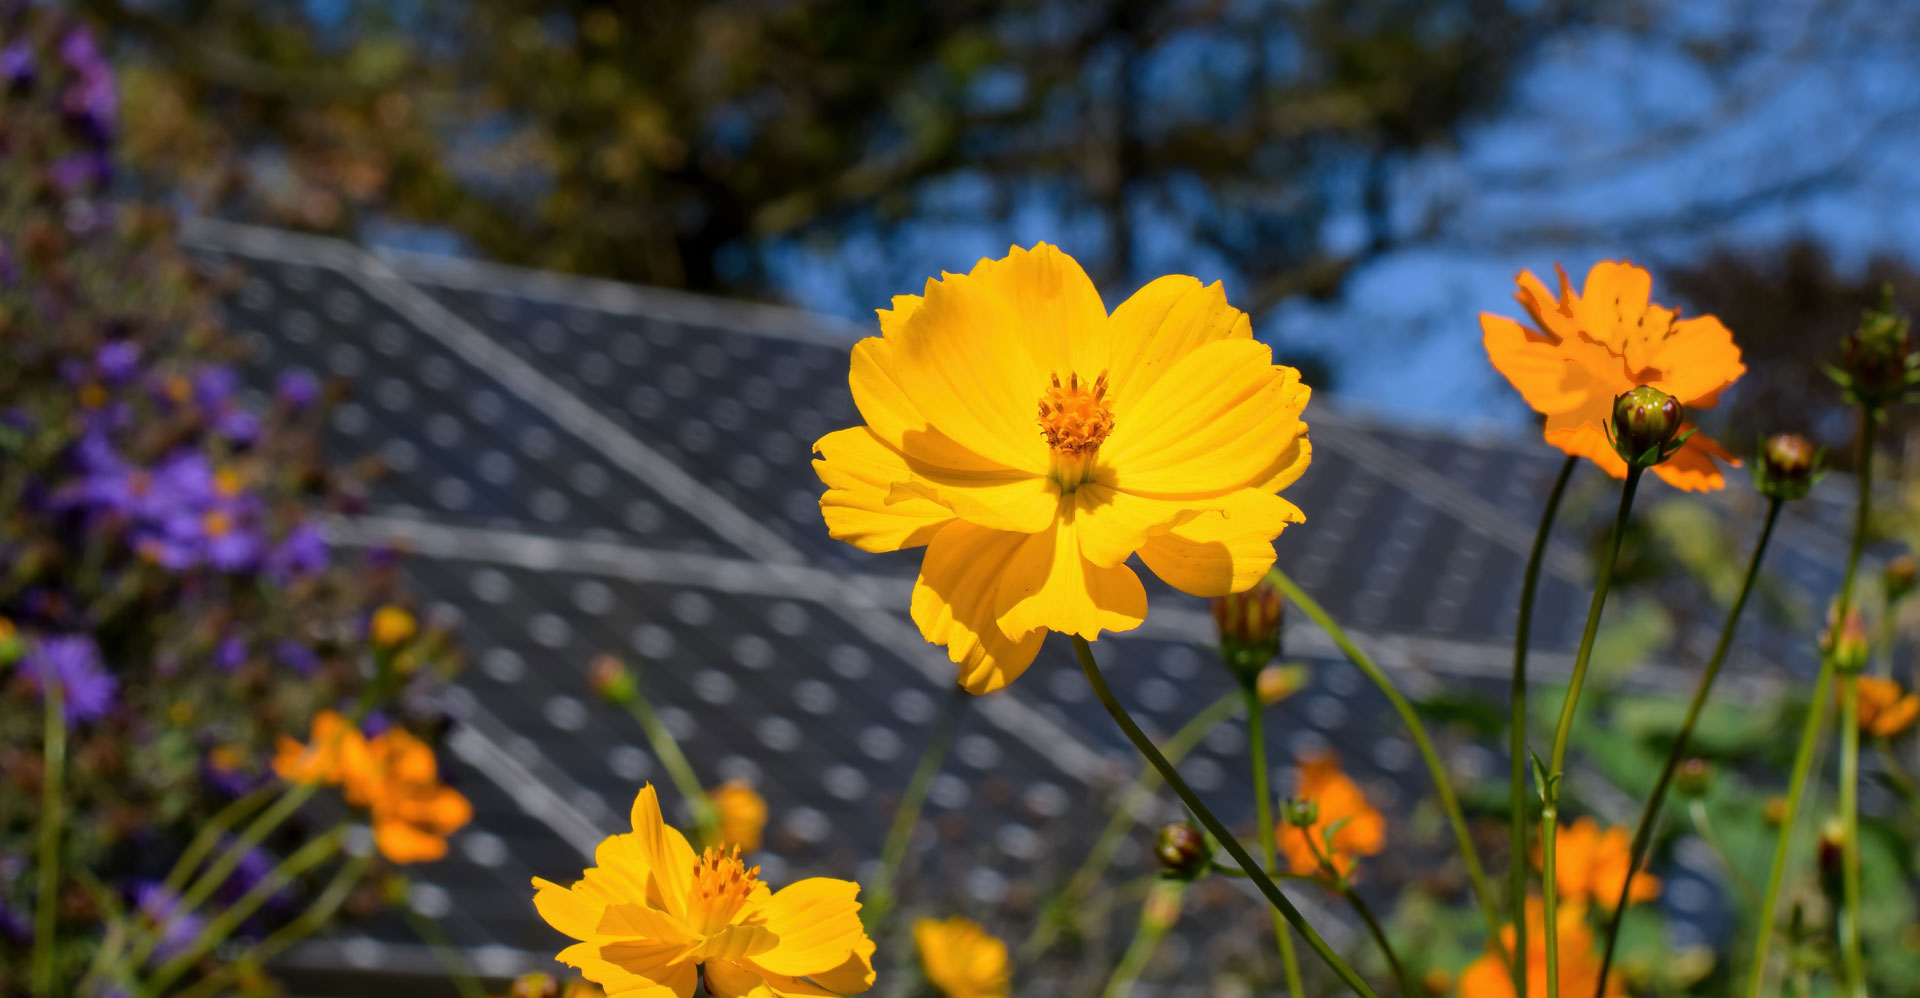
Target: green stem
[[1816, 711], [1703, 825], [52, 815], [1442, 783], [1213, 825], [1146, 938], [1517, 733], [1852, 965], [222, 821], [1263, 813], [1650, 815], [443, 949], [1550, 794], [310, 921], [223, 925], [907, 815], [705, 817], [1380, 939], [1897, 776], [1132, 804]]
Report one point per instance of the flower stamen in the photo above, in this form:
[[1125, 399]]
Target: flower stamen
[[1075, 418], [721, 886]]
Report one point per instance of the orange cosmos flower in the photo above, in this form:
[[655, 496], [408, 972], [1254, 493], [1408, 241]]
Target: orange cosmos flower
[[743, 814], [1033, 443], [1590, 864], [1488, 976], [960, 959], [1584, 350], [650, 916], [1362, 830], [335, 749], [1886, 709], [393, 775]]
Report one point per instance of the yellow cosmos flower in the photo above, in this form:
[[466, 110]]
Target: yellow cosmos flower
[[743, 814], [650, 915], [961, 959], [1033, 443]]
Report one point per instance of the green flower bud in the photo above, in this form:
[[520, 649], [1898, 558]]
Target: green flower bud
[[1846, 641], [1693, 778], [1877, 361], [1249, 624], [1300, 812], [1902, 575], [1182, 851], [612, 680], [1788, 466], [1645, 421]]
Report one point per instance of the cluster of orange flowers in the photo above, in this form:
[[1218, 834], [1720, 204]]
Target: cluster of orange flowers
[[393, 775]]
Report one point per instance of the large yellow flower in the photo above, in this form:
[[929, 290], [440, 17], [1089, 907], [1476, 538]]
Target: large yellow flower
[[960, 959], [1033, 443], [650, 915], [1585, 349]]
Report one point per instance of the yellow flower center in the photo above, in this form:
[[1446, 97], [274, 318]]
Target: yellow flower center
[[721, 885], [216, 524], [1075, 418]]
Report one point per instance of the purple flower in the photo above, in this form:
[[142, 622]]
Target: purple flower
[[302, 553], [296, 656], [117, 360], [237, 424], [230, 653], [297, 388], [79, 51], [162, 908], [214, 385], [82, 172], [74, 662], [16, 65]]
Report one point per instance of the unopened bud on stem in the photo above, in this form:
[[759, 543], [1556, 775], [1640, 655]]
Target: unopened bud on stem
[[1645, 421], [1182, 851], [1789, 464], [1249, 624], [612, 680]]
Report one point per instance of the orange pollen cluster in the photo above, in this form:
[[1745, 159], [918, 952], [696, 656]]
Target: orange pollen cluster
[[721, 884], [216, 523], [1076, 417]]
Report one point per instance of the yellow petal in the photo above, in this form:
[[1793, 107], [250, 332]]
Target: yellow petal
[[817, 922], [1050, 586], [633, 922], [571, 910], [1003, 500], [1112, 524], [726, 979], [1221, 552], [1289, 466], [1162, 323], [903, 308], [1218, 421], [964, 365], [853, 976], [860, 470], [894, 415], [953, 604], [1059, 311], [648, 971], [668, 857]]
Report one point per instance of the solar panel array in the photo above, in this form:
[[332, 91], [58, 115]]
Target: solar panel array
[[581, 467]]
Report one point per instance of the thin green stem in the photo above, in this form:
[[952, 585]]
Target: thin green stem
[[1703, 826], [907, 815], [1147, 933], [1853, 967], [231, 918], [1263, 813], [1380, 939], [1650, 815], [52, 816], [446, 952], [310, 921], [1442, 783], [222, 821], [1132, 805], [1213, 825], [1550, 794], [705, 817], [1816, 711], [1517, 850]]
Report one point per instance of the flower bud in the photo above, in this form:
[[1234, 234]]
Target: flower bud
[[1182, 851], [391, 626], [1846, 643], [743, 813], [1831, 851], [534, 985], [1787, 467], [1436, 981], [1278, 682], [1645, 420], [1877, 360], [1249, 625], [1693, 778], [612, 680], [1900, 578], [1300, 812], [1774, 810], [11, 647]]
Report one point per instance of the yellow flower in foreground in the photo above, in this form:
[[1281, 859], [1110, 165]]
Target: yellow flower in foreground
[[743, 814], [1488, 977], [649, 915], [1590, 864], [961, 959], [1885, 709], [1361, 831], [1033, 443], [1585, 349]]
